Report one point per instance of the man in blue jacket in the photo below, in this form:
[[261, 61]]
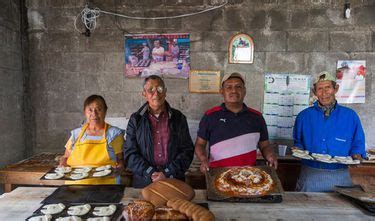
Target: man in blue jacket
[[327, 128], [158, 142]]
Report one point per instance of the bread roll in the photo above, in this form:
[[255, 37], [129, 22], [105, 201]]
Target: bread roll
[[167, 213], [159, 192], [196, 212]]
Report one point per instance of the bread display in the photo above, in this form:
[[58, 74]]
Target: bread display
[[244, 182], [158, 193], [139, 210], [167, 213], [194, 211]]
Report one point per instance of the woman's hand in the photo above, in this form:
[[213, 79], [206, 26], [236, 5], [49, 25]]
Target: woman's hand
[[63, 160]]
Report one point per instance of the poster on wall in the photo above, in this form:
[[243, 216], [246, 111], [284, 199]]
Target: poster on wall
[[166, 55], [285, 95], [351, 76], [241, 49]]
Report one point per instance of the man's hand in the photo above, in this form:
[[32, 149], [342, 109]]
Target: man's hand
[[268, 153], [200, 152], [204, 166], [157, 176], [272, 161], [357, 157]]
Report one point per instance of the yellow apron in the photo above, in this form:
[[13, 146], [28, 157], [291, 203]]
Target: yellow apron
[[91, 153]]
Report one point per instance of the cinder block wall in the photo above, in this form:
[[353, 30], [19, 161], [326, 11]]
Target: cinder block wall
[[306, 36], [12, 144]]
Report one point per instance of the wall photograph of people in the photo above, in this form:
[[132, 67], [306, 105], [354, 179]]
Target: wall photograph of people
[[166, 55]]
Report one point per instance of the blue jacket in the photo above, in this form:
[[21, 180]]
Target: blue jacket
[[139, 148], [340, 134]]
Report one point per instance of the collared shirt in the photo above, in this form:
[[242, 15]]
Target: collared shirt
[[233, 137], [340, 134], [160, 137], [328, 109]]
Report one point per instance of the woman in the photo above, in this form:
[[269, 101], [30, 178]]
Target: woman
[[96, 143]]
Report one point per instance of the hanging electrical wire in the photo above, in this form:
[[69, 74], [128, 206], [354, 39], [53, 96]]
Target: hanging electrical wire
[[89, 16]]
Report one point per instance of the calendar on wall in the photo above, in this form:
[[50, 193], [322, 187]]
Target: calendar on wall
[[285, 95]]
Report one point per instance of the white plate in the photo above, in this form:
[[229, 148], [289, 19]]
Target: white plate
[[82, 170], [53, 176], [63, 169], [106, 167], [78, 176], [101, 173]]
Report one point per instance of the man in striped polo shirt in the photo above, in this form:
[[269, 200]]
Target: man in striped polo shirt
[[233, 130]]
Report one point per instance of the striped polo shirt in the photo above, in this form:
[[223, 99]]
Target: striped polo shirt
[[233, 137]]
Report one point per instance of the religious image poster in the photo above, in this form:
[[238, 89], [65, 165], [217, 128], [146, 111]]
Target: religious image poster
[[165, 55], [351, 77]]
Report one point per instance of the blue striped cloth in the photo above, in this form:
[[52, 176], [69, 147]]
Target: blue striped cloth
[[322, 180]]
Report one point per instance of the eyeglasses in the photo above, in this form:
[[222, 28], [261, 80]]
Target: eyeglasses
[[152, 90]]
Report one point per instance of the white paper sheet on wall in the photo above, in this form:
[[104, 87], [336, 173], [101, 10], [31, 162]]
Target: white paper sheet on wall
[[120, 122], [285, 95]]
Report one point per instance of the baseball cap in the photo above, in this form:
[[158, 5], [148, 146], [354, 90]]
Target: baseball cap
[[232, 75], [324, 76]]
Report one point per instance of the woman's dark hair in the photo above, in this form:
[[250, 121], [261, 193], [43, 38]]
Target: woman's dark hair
[[96, 98]]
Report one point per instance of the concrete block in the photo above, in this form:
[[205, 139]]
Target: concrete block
[[66, 3], [279, 19], [318, 62], [64, 61], [184, 3], [103, 42], [216, 41], [196, 41], [114, 62], [118, 102], [308, 41], [36, 3], [299, 19], [253, 18], [111, 81], [269, 40], [320, 18], [254, 90], [132, 84], [257, 67], [63, 42], [91, 62], [137, 3], [154, 24], [285, 62], [59, 123], [364, 16], [233, 20], [212, 20], [176, 86], [207, 60], [350, 41], [61, 19]]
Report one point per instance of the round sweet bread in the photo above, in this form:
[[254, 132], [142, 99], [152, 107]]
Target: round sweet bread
[[167, 213], [140, 209], [244, 181]]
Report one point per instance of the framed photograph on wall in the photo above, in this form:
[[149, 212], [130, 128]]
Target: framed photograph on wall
[[203, 81], [241, 49]]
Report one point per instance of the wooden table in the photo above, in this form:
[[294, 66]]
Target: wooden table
[[29, 171], [21, 202]]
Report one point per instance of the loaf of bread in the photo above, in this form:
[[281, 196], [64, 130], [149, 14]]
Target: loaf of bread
[[194, 211], [167, 213], [139, 210], [159, 192]]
